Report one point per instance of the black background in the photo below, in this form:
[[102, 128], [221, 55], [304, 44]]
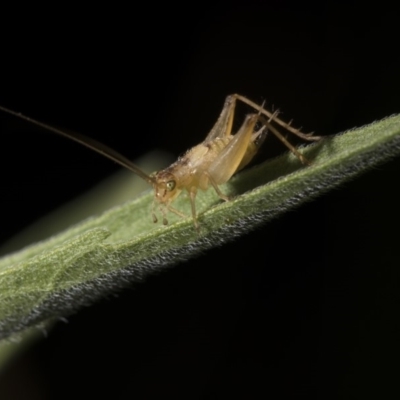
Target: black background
[[307, 305]]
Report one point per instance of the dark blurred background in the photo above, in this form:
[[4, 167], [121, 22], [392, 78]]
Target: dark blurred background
[[305, 306]]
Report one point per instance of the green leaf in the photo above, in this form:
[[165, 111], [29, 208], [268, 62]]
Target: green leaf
[[57, 276]]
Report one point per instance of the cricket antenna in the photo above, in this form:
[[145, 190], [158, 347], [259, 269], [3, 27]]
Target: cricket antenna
[[89, 143]]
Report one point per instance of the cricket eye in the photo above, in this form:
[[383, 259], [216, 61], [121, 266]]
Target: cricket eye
[[171, 186]]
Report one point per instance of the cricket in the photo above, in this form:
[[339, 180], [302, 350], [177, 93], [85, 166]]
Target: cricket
[[211, 163]]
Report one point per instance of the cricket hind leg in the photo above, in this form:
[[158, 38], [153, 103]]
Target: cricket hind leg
[[274, 117], [223, 126], [257, 139], [231, 156], [259, 136], [293, 149]]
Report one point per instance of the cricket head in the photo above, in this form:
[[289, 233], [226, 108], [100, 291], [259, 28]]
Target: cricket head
[[165, 190], [165, 187]]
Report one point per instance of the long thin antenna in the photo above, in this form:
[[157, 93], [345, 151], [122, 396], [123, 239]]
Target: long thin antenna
[[87, 142]]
